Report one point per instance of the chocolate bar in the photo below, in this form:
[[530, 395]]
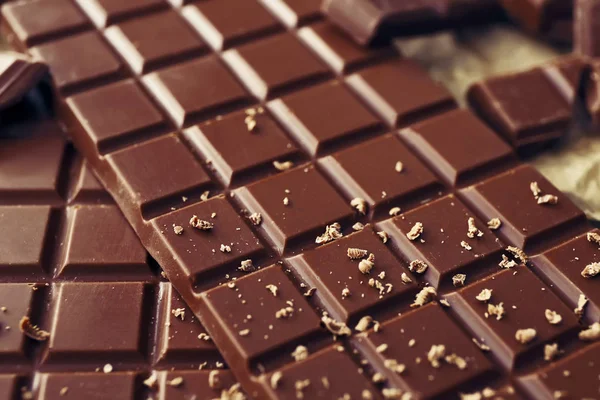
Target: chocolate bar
[[84, 309], [510, 103], [298, 192], [552, 19], [368, 21], [18, 75]]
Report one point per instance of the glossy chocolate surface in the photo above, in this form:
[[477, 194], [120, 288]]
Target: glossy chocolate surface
[[19, 74], [256, 168]]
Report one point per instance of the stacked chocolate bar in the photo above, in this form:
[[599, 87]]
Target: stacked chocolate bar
[[341, 229]]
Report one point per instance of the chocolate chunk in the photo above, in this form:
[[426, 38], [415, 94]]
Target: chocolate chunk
[[550, 18], [19, 74]]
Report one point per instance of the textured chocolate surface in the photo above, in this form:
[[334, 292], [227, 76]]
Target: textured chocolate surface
[[74, 267], [367, 21], [265, 173]]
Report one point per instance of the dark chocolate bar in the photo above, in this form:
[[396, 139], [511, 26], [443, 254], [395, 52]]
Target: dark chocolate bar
[[84, 311], [511, 104], [552, 19], [328, 254], [18, 75], [368, 21]]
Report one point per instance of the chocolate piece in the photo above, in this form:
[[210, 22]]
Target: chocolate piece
[[469, 152], [391, 102], [329, 269], [324, 115], [510, 103], [445, 228], [294, 13], [18, 75], [368, 171], [312, 204], [526, 223], [409, 340], [72, 265], [255, 131], [154, 41], [368, 21], [511, 290], [550, 18], [266, 78], [585, 15], [222, 30], [107, 12], [567, 378], [563, 266]]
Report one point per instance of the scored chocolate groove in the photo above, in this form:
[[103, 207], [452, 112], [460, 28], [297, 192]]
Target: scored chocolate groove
[[398, 215], [72, 265]]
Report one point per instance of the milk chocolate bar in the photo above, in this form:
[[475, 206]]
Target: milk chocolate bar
[[84, 311], [304, 196], [552, 19], [369, 21]]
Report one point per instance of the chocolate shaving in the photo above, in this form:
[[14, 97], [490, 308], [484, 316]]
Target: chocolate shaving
[[332, 232], [418, 266], [275, 379], [359, 205], [247, 266], [551, 351], [33, 331], [472, 230], [225, 248], [525, 336], [484, 295], [255, 218], [547, 199], [435, 354], [214, 381], [454, 359], [200, 224], [552, 317], [152, 380], [507, 263], [336, 327], [466, 246], [405, 278], [365, 266], [518, 253], [272, 288], [496, 310], [283, 166], [593, 237], [178, 229], [591, 270], [482, 346], [394, 365], [358, 226], [535, 189], [591, 334], [581, 303], [458, 280], [494, 223], [364, 323], [300, 353], [394, 211], [383, 236], [179, 313], [426, 295], [415, 231], [355, 254]]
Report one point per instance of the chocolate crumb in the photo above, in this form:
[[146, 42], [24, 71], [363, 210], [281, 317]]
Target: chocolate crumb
[[272, 288], [63, 390], [550, 351], [482, 346], [359, 226], [355, 254], [445, 303], [415, 231], [325, 382], [225, 248], [283, 166], [581, 303], [300, 353], [427, 294], [593, 237], [286, 201], [284, 312], [418, 266], [472, 230], [547, 199], [405, 278], [204, 336], [359, 205], [394, 366], [553, 317], [107, 369], [178, 229], [383, 236], [591, 334], [152, 380], [364, 323], [255, 218], [394, 211], [177, 381], [381, 348], [33, 331], [179, 313], [454, 359], [247, 266], [466, 246], [336, 327], [345, 292], [458, 280], [310, 292], [525, 336], [378, 377], [365, 266], [435, 354], [496, 310], [535, 189], [332, 232], [275, 379], [244, 332], [507, 263], [518, 253], [494, 223], [399, 167], [214, 381], [200, 224], [484, 295], [204, 196], [591, 270]]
